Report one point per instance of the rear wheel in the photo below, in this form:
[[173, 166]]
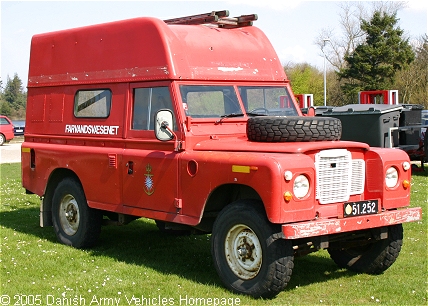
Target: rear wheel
[[248, 256], [2, 139], [372, 258], [75, 223]]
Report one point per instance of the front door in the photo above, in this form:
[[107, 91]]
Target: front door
[[150, 166]]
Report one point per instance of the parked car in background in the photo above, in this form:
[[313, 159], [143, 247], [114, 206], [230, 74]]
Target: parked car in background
[[6, 130], [18, 127]]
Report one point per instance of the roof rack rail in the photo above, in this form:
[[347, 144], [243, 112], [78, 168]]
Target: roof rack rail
[[219, 18]]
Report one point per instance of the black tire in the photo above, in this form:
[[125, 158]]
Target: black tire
[[373, 258], [293, 129], [253, 260], [2, 139], [74, 222]]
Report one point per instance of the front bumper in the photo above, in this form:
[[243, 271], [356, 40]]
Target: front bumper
[[322, 227]]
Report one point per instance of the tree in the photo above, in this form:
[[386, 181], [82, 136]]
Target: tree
[[374, 63], [343, 40], [306, 79], [14, 93], [412, 83], [13, 98]]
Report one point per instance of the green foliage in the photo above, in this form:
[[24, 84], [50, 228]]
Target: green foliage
[[13, 98], [306, 79], [373, 64], [138, 260], [412, 82]]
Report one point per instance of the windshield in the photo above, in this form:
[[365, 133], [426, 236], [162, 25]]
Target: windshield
[[272, 101], [209, 101], [200, 101]]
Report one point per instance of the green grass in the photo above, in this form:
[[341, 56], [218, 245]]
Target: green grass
[[137, 260]]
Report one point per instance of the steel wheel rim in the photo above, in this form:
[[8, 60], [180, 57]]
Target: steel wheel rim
[[69, 216], [243, 252]]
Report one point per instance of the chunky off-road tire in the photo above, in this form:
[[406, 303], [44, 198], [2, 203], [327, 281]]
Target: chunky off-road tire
[[248, 255], [373, 258], [293, 128], [74, 222]]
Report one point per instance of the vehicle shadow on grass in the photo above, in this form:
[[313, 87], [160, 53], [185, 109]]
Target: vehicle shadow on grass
[[141, 243]]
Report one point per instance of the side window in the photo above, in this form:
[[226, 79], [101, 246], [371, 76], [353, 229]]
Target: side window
[[147, 101], [4, 121], [92, 103]]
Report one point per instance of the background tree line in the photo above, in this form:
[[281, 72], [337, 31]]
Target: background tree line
[[368, 51], [13, 98]]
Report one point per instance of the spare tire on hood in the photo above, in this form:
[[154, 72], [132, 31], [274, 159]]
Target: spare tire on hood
[[293, 129]]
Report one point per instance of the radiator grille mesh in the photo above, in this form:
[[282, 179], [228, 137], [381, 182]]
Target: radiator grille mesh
[[338, 176]]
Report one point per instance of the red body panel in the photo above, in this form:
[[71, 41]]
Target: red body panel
[[147, 49]]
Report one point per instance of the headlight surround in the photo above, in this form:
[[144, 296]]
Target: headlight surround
[[301, 186], [391, 177]]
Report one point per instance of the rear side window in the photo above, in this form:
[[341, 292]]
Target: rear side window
[[92, 103], [4, 121]]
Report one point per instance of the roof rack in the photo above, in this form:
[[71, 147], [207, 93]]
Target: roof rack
[[218, 18]]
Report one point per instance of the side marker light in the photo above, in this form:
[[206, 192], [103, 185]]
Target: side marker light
[[288, 196], [406, 184]]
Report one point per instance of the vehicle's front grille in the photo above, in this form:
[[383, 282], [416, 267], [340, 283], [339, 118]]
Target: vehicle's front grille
[[357, 176], [338, 176]]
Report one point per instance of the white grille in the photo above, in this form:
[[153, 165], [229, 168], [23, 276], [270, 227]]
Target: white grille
[[338, 176], [358, 176]]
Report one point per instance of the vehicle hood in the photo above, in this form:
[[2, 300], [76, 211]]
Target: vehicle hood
[[244, 145]]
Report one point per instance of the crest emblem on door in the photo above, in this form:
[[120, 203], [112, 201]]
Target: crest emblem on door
[[148, 182]]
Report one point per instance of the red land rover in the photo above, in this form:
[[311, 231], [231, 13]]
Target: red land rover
[[192, 122]]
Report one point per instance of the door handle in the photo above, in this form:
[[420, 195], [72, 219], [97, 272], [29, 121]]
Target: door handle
[[130, 166]]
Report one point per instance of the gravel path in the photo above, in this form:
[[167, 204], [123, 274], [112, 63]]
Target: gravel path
[[10, 152]]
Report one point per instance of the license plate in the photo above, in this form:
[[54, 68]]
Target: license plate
[[19, 131], [360, 208]]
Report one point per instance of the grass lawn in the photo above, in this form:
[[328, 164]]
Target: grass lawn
[[138, 265]]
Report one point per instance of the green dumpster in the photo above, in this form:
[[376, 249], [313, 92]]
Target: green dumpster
[[369, 123]]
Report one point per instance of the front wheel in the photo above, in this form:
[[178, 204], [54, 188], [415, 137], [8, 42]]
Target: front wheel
[[74, 222], [248, 256], [371, 258]]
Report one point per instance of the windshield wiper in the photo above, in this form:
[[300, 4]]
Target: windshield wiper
[[229, 116], [255, 114], [238, 115]]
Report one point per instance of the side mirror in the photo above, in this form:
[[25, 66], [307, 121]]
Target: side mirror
[[163, 125]]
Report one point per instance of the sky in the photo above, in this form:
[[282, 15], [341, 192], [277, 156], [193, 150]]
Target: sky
[[291, 26]]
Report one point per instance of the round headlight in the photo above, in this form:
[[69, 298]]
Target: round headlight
[[391, 177], [301, 186]]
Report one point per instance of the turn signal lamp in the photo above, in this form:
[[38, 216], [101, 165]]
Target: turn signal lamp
[[406, 184], [288, 196]]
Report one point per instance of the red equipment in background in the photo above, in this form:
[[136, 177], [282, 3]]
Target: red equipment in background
[[305, 100], [378, 97]]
